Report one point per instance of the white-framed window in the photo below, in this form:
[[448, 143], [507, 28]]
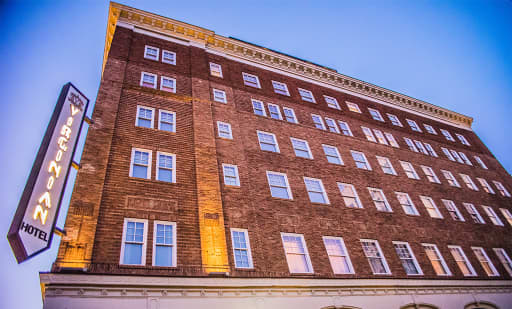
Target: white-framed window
[[166, 120], [456, 155], [375, 257], [394, 120], [487, 187], [165, 166], [379, 199], [447, 135], [504, 259], [306, 95], [437, 260], [375, 114], [450, 178], [465, 158], [140, 166], [164, 244], [296, 252], [484, 260], [501, 188], [409, 170], [168, 84], [430, 150], [492, 216], [453, 210], [258, 108], [469, 182], [133, 247], [431, 175], [345, 129], [145, 117], [411, 144], [280, 88], [289, 114], [224, 130], [168, 57], [360, 160], [331, 102], [507, 214], [349, 194], [479, 161], [407, 204], [274, 111], [462, 261], [268, 141], [231, 177], [301, 148], [448, 154], [219, 96], [332, 154], [318, 121], [473, 213], [316, 190], [353, 107], [215, 70], [406, 256], [279, 186], [151, 52], [414, 126], [431, 207], [148, 80], [430, 129], [369, 134], [391, 139], [380, 137], [386, 165], [241, 248], [420, 147], [251, 80], [331, 125], [338, 255], [462, 139]]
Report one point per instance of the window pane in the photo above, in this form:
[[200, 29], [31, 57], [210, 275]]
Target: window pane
[[140, 171], [132, 253]]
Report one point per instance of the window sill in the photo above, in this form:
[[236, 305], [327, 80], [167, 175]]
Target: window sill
[[282, 199]]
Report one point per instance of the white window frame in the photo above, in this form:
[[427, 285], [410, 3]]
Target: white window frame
[[440, 258], [472, 272], [139, 107], [504, 259], [394, 120], [507, 214], [173, 169], [144, 240], [146, 52], [383, 258], [420, 147], [380, 137], [367, 163], [222, 99], [432, 177], [288, 189], [310, 154], [323, 192], [414, 126], [453, 210], [448, 154], [248, 83], [493, 271], [413, 257], [164, 60], [493, 216], [332, 126], [410, 204], [430, 129], [430, 150], [411, 144], [237, 175], [331, 102], [412, 170], [273, 137], [173, 90], [346, 256], [479, 160], [355, 197], [338, 155], [368, 133], [293, 114], [487, 187], [248, 249], [465, 158], [353, 107], [388, 166], [468, 182], [220, 131], [313, 116], [174, 248], [501, 188], [279, 115], [306, 253], [160, 111], [447, 135], [473, 213], [438, 214], [391, 139], [347, 128], [150, 74], [374, 116], [384, 199], [216, 70], [148, 173], [450, 178], [279, 91], [306, 98], [462, 139], [255, 109]]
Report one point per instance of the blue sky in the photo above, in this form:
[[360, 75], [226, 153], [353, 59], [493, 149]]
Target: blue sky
[[455, 54]]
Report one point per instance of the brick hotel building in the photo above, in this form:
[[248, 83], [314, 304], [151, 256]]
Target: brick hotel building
[[223, 174]]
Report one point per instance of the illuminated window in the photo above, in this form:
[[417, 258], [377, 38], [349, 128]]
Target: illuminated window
[[166, 121], [437, 260], [386, 165], [219, 96], [484, 260], [274, 111], [289, 114], [430, 150], [487, 187], [251, 80], [430, 129], [379, 199], [349, 194], [331, 125], [380, 137], [431, 207], [406, 256], [140, 163], [462, 139], [394, 120], [450, 178], [338, 255], [453, 210], [169, 57], [231, 177], [296, 253], [241, 248], [164, 244], [508, 216], [414, 126], [353, 107], [224, 130], [279, 187], [375, 114], [429, 172], [469, 182], [448, 154], [168, 84], [411, 145], [369, 134], [391, 140], [133, 247], [151, 52], [504, 259], [331, 102], [465, 158], [145, 117], [318, 121], [316, 190], [306, 95], [301, 148], [375, 257], [268, 141], [492, 216], [447, 135], [473, 213], [501, 188], [148, 80], [259, 108], [407, 204], [409, 170], [332, 154], [462, 261], [166, 170], [360, 160], [215, 70], [479, 160], [420, 146], [280, 88], [345, 129]]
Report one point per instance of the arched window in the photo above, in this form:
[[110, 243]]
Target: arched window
[[481, 305], [419, 306]]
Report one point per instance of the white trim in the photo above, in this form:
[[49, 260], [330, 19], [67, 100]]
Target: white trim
[[308, 260], [223, 99], [288, 189], [278, 111], [472, 272], [441, 259], [144, 240], [249, 251], [307, 146], [296, 121], [160, 111], [384, 262], [258, 85], [334, 102], [369, 167], [356, 196], [274, 83], [431, 201], [393, 116], [274, 138], [166, 61], [353, 107], [146, 52], [495, 272], [413, 170], [415, 210], [321, 122], [219, 130], [324, 193], [348, 128], [174, 244], [168, 78], [393, 171], [158, 35], [385, 200], [302, 97], [334, 125], [173, 170], [152, 116], [148, 172], [507, 259], [450, 203], [492, 214], [413, 125], [370, 110], [414, 260], [347, 256], [142, 79], [237, 175], [337, 153], [219, 69], [262, 107]]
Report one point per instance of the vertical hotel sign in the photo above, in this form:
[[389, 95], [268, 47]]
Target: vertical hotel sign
[[31, 231]]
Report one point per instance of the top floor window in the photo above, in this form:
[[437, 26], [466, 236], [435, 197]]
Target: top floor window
[[148, 80], [462, 139], [168, 84], [151, 52], [251, 80], [479, 160], [394, 120], [280, 88], [447, 135], [375, 114], [306, 95], [331, 102], [501, 188], [215, 70], [430, 129], [353, 107], [414, 126], [169, 57]]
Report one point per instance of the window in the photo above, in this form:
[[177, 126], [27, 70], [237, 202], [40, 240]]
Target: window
[[430, 129], [479, 161], [279, 187], [289, 114], [508, 216], [316, 190], [391, 140], [345, 129], [306, 95], [338, 255], [465, 158], [462, 261], [301, 148], [380, 137], [462, 139], [386, 166], [430, 150], [133, 248], [420, 146], [280, 88], [447, 135], [375, 257], [379, 199], [484, 260], [407, 204], [215, 70], [349, 194], [409, 170], [169, 57], [164, 244], [332, 154], [501, 188], [456, 155], [369, 134], [450, 178], [168, 84], [469, 182], [473, 213], [331, 124], [411, 145], [151, 52], [241, 248], [274, 111], [360, 160], [436, 259], [414, 126], [492, 215], [166, 167], [486, 186], [318, 121], [375, 114], [140, 163], [167, 121], [259, 108], [230, 175], [148, 80], [268, 141], [448, 154], [394, 120], [429, 172], [296, 253], [353, 107], [145, 116], [453, 210], [331, 102], [251, 80], [219, 96], [504, 259], [431, 207], [406, 256], [224, 130]]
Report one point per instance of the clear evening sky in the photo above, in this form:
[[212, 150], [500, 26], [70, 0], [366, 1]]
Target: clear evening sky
[[455, 54]]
